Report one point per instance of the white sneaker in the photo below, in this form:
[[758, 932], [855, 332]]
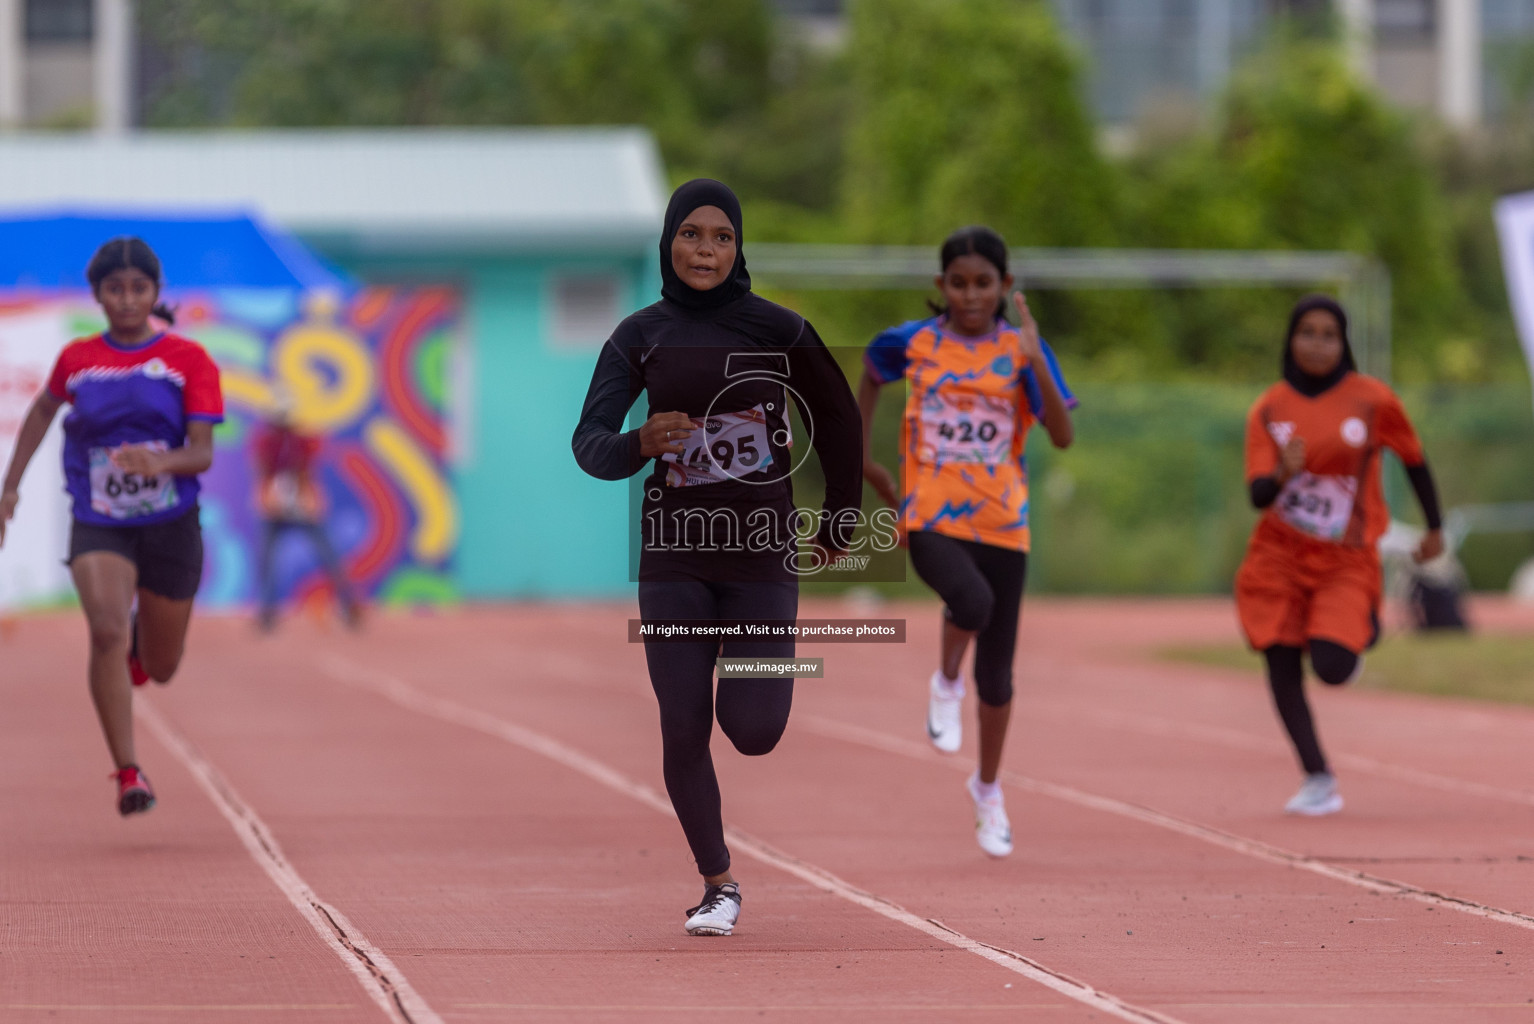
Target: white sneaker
[[1316, 797], [945, 714], [992, 829], [718, 912]]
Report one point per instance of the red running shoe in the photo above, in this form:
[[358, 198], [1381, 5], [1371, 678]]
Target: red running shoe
[[133, 793], [135, 667], [136, 671]]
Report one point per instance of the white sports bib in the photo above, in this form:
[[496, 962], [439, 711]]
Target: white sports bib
[[124, 495], [727, 446], [966, 428], [1321, 506]]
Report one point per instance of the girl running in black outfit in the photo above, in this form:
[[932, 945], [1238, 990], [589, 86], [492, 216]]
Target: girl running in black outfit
[[718, 521]]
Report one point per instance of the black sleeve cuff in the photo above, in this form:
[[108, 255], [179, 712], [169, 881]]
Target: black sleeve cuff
[[1264, 491], [1427, 494]]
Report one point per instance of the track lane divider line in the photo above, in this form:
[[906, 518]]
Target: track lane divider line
[[1255, 848], [398, 691], [384, 983]]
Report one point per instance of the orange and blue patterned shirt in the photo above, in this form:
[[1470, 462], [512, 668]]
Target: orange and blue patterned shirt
[[972, 401]]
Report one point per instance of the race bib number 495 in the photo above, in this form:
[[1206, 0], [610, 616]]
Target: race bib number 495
[[966, 428], [1321, 506], [725, 446], [124, 495]]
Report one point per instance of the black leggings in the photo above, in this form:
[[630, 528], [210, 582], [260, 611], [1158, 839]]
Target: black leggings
[[753, 712], [982, 590], [1334, 664]]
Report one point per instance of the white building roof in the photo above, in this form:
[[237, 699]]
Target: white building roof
[[369, 189]]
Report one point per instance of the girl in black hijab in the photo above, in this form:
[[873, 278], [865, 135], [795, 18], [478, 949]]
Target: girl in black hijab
[[718, 528]]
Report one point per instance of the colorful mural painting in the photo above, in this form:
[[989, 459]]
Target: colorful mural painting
[[368, 374]]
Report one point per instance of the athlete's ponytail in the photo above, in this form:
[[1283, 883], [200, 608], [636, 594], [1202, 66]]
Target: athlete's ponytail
[[975, 240], [125, 252]]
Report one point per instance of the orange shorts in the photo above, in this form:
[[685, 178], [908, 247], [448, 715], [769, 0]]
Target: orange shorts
[[1292, 588]]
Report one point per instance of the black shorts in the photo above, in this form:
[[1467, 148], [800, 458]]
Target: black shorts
[[168, 555]]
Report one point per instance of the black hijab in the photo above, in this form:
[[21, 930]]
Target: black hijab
[[687, 198], [1301, 381]]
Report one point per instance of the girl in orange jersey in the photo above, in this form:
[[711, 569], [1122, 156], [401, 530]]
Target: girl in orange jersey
[[1311, 576], [977, 385]]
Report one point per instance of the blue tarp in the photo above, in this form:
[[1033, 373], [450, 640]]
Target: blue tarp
[[45, 251]]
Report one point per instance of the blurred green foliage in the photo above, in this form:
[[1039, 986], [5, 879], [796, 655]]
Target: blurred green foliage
[[929, 116]]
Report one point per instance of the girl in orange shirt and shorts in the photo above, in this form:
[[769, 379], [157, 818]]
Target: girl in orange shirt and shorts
[[1311, 578]]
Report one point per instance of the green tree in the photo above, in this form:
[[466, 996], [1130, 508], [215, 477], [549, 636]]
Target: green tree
[[1305, 156], [678, 67], [970, 112]]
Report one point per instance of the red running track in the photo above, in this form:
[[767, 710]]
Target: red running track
[[459, 818]]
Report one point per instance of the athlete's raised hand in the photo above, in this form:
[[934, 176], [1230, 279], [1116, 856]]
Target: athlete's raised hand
[[883, 482], [663, 433], [8, 500], [1032, 347], [1291, 459]]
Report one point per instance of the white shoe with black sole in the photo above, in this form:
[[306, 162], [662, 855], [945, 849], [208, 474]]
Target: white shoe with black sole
[[993, 831], [945, 714], [718, 912]]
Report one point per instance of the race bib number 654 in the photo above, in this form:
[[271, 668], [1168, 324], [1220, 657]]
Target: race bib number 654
[[124, 495]]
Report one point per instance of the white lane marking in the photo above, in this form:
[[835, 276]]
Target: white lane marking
[[398, 691], [1250, 847], [1151, 725], [382, 981]]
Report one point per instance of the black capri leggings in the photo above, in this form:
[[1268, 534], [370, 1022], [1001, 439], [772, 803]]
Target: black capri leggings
[[1334, 665], [982, 590], [753, 712]]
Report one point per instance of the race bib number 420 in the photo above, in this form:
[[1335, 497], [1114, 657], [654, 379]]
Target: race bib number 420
[[124, 495], [725, 446], [1321, 506], [966, 428]]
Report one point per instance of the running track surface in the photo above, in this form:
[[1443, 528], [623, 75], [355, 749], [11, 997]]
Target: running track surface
[[455, 818]]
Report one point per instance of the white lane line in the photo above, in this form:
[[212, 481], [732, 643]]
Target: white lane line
[[380, 979], [1151, 725], [398, 691], [1250, 847]]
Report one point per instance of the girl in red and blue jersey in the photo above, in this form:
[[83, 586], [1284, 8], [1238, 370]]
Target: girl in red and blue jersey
[[144, 405], [977, 385]]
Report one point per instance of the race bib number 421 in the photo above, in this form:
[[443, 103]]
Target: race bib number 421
[[124, 495], [725, 446], [966, 428], [1321, 506]]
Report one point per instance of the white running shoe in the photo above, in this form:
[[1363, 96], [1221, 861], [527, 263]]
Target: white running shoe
[[992, 829], [945, 714], [1316, 797], [718, 912]]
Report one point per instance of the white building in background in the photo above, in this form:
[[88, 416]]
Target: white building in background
[[1453, 57], [66, 63]]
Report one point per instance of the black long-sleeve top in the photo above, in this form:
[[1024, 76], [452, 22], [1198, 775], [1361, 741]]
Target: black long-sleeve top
[[750, 354]]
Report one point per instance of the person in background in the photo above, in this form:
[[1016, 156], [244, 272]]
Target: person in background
[[289, 499], [1310, 583]]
